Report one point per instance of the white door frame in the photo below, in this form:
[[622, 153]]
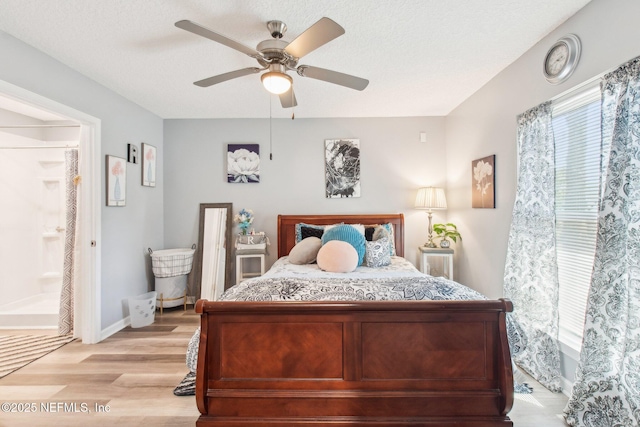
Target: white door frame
[[88, 326]]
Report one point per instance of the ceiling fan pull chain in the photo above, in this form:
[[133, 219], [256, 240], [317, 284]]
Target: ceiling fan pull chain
[[270, 130]]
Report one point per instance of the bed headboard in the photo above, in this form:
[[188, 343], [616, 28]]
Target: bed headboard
[[287, 227]]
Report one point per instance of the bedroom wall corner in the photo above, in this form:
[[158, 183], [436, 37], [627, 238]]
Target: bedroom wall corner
[[485, 124]]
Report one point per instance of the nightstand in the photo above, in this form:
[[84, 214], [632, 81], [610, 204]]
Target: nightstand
[[244, 254], [434, 266]]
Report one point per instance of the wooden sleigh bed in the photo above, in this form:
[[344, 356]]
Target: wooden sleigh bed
[[359, 363]]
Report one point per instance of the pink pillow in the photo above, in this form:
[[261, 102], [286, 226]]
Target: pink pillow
[[337, 256]]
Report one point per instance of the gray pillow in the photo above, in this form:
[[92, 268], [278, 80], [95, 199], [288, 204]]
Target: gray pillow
[[305, 251]]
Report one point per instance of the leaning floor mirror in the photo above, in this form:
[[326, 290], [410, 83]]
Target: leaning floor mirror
[[214, 257]]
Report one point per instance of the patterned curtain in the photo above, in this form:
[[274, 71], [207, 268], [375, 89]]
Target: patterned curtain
[[531, 273], [65, 319], [606, 391]]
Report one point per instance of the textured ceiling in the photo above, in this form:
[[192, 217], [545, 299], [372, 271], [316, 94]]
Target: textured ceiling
[[422, 57]]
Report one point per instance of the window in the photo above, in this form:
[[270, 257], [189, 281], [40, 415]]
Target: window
[[576, 129]]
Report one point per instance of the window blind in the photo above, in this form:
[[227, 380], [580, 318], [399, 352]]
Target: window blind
[[576, 129]]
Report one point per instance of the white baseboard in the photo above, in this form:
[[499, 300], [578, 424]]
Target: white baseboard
[[567, 386], [116, 327]]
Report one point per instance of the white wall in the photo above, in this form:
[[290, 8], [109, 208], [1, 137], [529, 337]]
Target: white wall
[[485, 124], [126, 231], [394, 163]]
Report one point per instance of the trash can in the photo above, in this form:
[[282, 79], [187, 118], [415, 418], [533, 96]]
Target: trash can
[[142, 309], [170, 268]]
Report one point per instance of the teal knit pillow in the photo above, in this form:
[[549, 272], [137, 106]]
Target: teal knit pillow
[[348, 234]]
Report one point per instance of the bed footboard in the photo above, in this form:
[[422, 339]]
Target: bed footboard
[[439, 363]]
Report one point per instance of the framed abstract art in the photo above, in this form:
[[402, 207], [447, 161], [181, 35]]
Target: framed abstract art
[[342, 168]]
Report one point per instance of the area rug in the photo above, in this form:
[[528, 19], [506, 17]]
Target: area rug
[[187, 386], [17, 351]]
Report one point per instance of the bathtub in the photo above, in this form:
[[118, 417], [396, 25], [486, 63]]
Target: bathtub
[[36, 312]]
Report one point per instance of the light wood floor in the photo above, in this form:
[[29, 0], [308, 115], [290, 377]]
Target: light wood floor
[[133, 374], [542, 408]]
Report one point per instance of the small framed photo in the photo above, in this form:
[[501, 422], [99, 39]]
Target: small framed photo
[[116, 181], [483, 182], [148, 165]]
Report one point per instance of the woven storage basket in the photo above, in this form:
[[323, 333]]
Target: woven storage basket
[[172, 262]]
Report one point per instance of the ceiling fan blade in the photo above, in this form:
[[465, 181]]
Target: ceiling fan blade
[[334, 77], [212, 35], [227, 76], [288, 99], [318, 34]]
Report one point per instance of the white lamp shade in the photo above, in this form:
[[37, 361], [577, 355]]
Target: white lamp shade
[[276, 82], [431, 198]]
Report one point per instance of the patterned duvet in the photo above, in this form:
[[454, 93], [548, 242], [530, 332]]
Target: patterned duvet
[[398, 281]]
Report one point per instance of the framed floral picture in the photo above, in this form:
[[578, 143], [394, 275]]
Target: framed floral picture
[[483, 182], [243, 163], [116, 181], [148, 165], [342, 168]]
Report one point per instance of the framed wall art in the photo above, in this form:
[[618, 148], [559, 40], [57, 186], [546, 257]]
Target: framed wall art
[[148, 165], [243, 163], [116, 181], [342, 168], [483, 182]]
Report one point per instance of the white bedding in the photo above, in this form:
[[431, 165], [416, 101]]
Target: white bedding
[[399, 267]]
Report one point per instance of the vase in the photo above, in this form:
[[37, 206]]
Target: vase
[[116, 189], [444, 243]]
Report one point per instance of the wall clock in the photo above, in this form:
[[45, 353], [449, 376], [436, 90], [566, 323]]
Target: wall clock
[[561, 59]]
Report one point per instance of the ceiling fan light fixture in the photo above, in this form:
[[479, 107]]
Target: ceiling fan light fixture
[[276, 82]]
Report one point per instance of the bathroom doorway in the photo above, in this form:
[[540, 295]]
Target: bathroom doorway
[[35, 148], [37, 136]]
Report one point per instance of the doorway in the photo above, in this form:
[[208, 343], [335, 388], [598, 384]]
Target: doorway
[[34, 157], [87, 281]]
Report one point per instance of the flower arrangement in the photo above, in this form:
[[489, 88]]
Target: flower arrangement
[[482, 172], [117, 169], [243, 165], [244, 218]]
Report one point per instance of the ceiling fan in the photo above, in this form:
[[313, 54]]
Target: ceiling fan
[[277, 56]]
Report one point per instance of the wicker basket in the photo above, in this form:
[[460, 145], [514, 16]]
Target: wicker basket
[[171, 262]]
